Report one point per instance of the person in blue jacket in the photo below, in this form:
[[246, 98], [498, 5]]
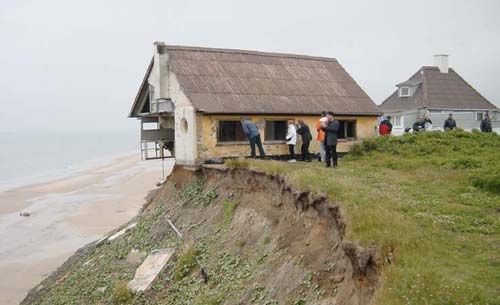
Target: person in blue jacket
[[252, 132]]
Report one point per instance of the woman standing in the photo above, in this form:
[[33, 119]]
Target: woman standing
[[291, 139], [305, 133]]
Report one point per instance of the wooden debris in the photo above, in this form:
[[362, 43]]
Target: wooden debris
[[149, 270], [122, 231], [174, 228]]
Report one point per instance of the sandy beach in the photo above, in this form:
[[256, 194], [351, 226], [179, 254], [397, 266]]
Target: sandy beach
[[66, 214]]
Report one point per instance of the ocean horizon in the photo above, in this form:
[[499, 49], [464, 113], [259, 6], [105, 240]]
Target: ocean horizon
[[32, 157]]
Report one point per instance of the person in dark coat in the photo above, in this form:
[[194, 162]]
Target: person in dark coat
[[419, 124], [385, 127], [305, 133], [450, 123], [331, 130], [486, 124], [252, 132]]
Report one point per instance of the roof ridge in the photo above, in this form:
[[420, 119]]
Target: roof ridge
[[272, 94], [247, 52]]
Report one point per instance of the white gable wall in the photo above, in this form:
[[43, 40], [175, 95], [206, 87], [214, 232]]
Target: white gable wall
[[185, 124], [165, 86]]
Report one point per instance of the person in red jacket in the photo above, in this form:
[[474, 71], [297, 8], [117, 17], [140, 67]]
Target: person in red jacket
[[385, 127]]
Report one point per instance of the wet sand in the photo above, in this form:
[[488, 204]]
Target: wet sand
[[66, 214]]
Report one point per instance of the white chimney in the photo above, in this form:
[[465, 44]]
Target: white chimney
[[441, 61], [159, 74]]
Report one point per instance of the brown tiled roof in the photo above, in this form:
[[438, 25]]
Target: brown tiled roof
[[438, 91], [238, 81]]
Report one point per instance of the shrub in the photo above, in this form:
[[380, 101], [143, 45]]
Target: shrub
[[464, 163], [489, 183], [210, 195], [185, 263], [121, 293], [192, 190]]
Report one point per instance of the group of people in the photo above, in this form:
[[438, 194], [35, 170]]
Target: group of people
[[326, 127], [424, 123]]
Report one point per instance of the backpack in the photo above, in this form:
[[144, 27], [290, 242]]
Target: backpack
[[384, 129]]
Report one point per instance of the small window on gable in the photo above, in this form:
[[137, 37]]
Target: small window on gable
[[479, 116], [276, 130], [404, 91], [230, 131]]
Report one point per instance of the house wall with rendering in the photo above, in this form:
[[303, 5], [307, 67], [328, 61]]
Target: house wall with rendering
[[210, 147]]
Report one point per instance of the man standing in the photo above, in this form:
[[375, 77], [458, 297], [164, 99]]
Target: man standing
[[450, 123], [321, 135], [305, 133], [385, 127], [486, 124], [331, 130], [252, 132]]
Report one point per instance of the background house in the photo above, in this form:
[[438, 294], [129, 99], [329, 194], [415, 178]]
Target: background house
[[194, 98], [438, 91]]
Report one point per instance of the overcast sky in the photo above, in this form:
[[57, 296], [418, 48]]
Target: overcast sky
[[77, 65]]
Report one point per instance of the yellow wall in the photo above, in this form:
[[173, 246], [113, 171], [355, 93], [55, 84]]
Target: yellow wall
[[207, 146]]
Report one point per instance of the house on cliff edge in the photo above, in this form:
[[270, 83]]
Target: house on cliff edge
[[437, 91], [191, 100]]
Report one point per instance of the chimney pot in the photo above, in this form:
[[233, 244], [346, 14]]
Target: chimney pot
[[441, 61], [159, 47]]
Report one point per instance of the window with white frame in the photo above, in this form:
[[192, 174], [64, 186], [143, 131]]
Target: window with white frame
[[479, 116], [397, 121], [404, 91]]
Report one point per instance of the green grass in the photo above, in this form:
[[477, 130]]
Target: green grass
[[121, 293], [186, 262], [228, 207], [430, 201]]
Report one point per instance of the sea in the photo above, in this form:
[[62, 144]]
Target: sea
[[32, 157]]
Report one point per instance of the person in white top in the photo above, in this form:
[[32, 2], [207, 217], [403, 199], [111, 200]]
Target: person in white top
[[291, 139]]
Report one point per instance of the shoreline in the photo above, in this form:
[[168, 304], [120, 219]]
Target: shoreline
[[67, 213], [61, 173]]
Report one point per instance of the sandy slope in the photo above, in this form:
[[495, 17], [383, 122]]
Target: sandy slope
[[65, 215]]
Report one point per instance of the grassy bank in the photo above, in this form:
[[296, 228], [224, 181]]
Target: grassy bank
[[430, 202]]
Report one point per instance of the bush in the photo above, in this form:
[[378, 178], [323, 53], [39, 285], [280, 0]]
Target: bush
[[121, 293], [192, 190], [464, 163], [489, 183], [210, 195], [185, 263]]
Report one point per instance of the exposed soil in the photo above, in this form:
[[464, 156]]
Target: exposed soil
[[294, 239]]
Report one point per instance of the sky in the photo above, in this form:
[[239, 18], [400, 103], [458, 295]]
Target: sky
[[77, 65]]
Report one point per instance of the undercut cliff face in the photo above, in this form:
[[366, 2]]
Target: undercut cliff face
[[247, 238]]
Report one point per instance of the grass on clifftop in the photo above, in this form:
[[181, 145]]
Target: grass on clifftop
[[430, 202]]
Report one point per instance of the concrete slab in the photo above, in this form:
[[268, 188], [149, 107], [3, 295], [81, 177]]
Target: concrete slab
[[150, 268]]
